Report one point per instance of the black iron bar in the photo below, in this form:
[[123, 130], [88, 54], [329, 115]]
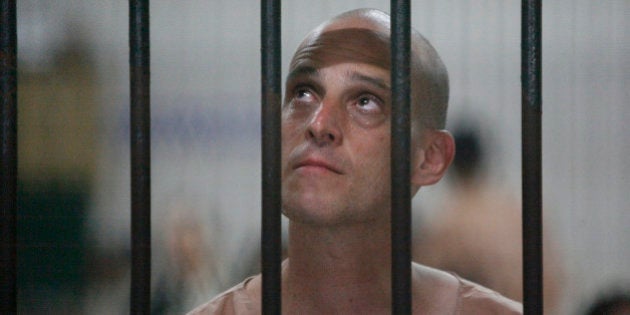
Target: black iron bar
[[531, 80], [140, 83], [8, 156], [271, 141], [400, 157]]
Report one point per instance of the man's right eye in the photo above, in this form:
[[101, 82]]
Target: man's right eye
[[303, 94]]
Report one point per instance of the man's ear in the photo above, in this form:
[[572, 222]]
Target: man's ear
[[432, 157]]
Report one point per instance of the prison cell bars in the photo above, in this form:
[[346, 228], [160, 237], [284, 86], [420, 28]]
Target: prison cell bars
[[140, 124], [140, 154], [140, 132], [8, 156], [400, 157], [531, 152], [271, 242]]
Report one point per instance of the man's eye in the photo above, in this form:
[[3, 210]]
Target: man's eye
[[304, 95], [369, 103]]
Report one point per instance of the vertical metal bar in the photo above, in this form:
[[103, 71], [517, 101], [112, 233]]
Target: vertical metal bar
[[8, 157], [400, 157], [139, 65], [531, 72], [271, 142]]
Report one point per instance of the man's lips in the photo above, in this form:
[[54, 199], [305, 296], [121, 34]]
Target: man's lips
[[317, 163]]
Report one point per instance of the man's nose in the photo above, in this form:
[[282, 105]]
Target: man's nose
[[323, 127]]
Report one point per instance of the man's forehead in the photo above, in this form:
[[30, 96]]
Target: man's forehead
[[373, 77], [329, 47]]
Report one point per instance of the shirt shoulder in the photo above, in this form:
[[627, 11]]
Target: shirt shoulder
[[476, 299], [440, 292], [241, 299]]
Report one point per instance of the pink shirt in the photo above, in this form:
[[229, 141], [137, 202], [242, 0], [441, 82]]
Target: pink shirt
[[442, 293]]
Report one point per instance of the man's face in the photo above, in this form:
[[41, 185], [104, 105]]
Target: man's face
[[336, 130]]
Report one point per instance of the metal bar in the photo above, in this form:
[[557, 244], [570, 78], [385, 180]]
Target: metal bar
[[531, 80], [271, 143], [400, 157], [8, 157], [139, 69]]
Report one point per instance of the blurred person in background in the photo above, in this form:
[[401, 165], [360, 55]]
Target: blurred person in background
[[188, 273], [614, 301], [476, 233], [184, 265]]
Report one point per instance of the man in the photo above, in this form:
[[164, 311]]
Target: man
[[336, 178]]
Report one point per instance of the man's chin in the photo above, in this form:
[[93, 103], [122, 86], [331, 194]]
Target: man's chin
[[313, 214], [322, 217]]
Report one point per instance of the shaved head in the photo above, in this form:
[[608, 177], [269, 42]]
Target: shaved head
[[363, 36]]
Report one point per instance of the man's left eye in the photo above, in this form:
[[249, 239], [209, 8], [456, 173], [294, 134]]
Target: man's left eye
[[369, 103]]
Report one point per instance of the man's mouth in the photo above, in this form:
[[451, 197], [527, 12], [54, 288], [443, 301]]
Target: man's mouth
[[315, 164]]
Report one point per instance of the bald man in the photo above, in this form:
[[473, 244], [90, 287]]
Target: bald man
[[336, 178]]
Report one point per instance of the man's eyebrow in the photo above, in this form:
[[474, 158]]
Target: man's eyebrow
[[302, 71], [380, 83]]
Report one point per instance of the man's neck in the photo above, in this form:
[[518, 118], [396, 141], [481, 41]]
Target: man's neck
[[345, 268]]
